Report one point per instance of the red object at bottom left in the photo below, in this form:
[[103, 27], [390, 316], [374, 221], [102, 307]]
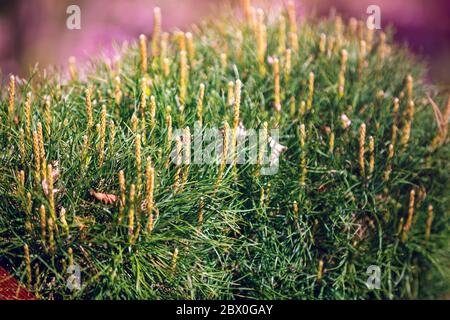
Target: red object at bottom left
[[11, 289]]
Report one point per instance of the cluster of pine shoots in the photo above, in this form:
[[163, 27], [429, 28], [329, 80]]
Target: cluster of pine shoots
[[92, 205]]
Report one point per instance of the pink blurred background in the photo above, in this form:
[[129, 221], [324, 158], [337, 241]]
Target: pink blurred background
[[34, 31]]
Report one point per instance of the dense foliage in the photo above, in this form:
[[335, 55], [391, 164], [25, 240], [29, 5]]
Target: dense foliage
[[363, 180]]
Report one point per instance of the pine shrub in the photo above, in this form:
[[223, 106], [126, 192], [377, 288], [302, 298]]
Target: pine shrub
[[87, 179]]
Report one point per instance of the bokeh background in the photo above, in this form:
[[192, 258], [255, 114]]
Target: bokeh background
[[34, 31]]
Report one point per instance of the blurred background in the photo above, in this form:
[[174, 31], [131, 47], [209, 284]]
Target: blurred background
[[34, 31]]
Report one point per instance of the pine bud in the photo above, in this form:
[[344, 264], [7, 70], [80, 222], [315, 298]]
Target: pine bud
[[201, 94], [276, 76], [429, 222], [320, 270], [12, 95], [183, 77], [372, 155], [73, 68], [156, 31], [409, 220], [122, 187], [43, 220], [143, 52], [310, 92], [362, 150], [131, 214], [90, 121], [26, 251]]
